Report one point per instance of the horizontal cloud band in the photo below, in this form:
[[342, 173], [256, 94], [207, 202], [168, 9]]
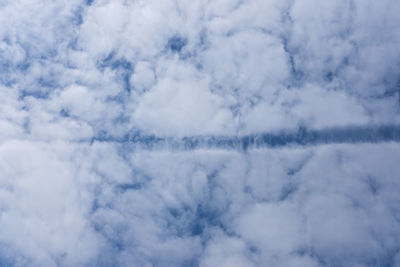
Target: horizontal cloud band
[[300, 137]]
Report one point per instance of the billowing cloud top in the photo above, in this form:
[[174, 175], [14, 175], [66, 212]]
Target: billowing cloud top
[[199, 133]]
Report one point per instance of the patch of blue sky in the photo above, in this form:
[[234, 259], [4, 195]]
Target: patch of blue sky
[[176, 43]]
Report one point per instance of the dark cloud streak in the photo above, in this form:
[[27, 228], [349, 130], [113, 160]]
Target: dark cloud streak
[[300, 137]]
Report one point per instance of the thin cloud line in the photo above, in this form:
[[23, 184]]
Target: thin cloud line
[[300, 137]]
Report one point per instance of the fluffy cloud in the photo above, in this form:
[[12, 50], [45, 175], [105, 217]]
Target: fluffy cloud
[[199, 133]]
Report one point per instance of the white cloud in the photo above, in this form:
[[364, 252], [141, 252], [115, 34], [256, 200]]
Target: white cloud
[[81, 80], [182, 104], [43, 214]]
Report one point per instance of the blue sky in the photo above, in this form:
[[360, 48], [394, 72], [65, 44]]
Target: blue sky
[[199, 133]]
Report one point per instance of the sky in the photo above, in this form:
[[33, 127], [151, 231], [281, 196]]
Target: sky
[[206, 133]]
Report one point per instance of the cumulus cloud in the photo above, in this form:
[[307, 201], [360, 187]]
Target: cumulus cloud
[[199, 133]]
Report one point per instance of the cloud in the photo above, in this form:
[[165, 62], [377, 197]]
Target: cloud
[[201, 133], [181, 104], [43, 208]]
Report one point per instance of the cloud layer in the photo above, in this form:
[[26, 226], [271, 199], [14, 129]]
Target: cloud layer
[[199, 133]]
